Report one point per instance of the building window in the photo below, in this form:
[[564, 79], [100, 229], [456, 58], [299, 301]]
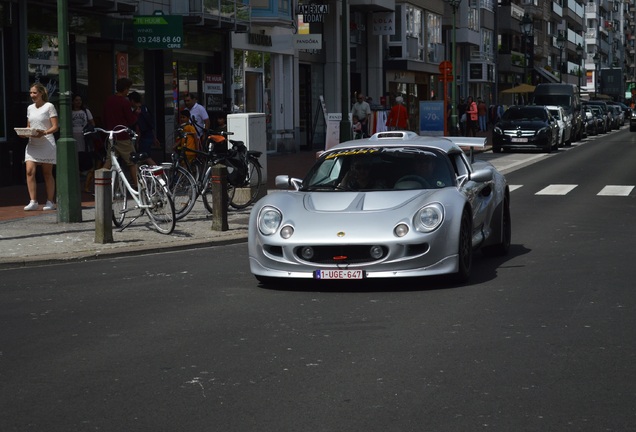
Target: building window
[[433, 37], [414, 33]]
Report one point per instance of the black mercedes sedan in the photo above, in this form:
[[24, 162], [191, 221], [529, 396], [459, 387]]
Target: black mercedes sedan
[[526, 127]]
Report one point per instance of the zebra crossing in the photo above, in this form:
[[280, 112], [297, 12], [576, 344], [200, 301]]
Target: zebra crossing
[[564, 189]]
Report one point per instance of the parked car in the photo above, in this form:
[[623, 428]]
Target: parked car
[[607, 116], [591, 122], [565, 124], [632, 122], [619, 115], [602, 122], [394, 205], [566, 96], [627, 111], [524, 127]]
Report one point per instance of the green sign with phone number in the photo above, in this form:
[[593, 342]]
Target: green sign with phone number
[[158, 31]]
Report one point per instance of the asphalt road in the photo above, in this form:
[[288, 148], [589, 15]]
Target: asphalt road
[[541, 340]]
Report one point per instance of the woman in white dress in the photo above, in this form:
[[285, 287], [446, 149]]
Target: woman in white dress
[[41, 149]]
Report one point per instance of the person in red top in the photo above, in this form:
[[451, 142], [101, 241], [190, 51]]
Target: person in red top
[[118, 111], [471, 117], [398, 118]]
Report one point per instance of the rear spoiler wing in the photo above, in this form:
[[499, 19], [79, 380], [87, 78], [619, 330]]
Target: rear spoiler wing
[[472, 142]]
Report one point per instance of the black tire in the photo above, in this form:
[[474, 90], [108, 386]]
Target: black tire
[[183, 190], [465, 249], [120, 200], [496, 149], [502, 248], [161, 211], [206, 192], [246, 190]]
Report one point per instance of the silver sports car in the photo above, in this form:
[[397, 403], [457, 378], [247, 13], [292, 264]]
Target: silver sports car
[[393, 205]]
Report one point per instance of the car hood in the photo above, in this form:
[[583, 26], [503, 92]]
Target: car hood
[[360, 201], [337, 203]]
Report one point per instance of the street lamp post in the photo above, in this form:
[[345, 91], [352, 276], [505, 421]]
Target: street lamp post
[[597, 63], [561, 44], [454, 4], [527, 29], [579, 52]]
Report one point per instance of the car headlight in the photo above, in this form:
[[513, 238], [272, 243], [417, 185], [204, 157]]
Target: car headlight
[[428, 218], [543, 131], [497, 130], [269, 219]]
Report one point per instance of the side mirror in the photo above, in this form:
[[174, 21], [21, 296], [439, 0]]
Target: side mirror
[[286, 182], [481, 176]]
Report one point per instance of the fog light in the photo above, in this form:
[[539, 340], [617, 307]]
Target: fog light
[[307, 252], [376, 252]]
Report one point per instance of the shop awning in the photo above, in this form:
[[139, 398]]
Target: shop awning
[[547, 75]]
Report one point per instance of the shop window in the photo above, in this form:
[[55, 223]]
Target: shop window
[[42, 61]]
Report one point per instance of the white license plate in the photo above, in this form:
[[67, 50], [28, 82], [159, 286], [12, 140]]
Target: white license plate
[[519, 139], [339, 274]]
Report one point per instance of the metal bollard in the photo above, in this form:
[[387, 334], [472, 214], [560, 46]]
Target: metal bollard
[[219, 192], [103, 206]]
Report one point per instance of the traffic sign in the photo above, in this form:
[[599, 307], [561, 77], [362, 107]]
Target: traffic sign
[[446, 68]]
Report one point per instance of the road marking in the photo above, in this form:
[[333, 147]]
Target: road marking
[[521, 162], [514, 187], [556, 189], [613, 190]]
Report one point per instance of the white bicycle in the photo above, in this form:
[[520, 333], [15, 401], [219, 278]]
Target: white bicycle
[[151, 197]]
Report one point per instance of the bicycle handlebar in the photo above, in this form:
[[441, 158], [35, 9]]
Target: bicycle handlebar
[[116, 130]]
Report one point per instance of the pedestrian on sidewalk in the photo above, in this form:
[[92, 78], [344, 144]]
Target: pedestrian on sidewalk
[[119, 111], [145, 128], [482, 112], [362, 110], [398, 118], [471, 117], [41, 149], [198, 115]]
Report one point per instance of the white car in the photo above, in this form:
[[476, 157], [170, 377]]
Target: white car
[[565, 124]]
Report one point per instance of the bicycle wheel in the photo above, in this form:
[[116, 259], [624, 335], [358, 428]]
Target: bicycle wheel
[[245, 191], [120, 200], [161, 210], [183, 190], [206, 190]]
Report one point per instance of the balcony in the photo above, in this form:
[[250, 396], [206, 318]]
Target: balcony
[[229, 14]]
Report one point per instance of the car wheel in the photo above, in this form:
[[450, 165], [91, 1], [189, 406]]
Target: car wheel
[[632, 128], [496, 149], [503, 247], [465, 249]]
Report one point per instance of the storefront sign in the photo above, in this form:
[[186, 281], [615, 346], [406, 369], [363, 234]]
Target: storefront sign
[[312, 13], [383, 23], [432, 118], [259, 39], [308, 41], [158, 31], [213, 89]]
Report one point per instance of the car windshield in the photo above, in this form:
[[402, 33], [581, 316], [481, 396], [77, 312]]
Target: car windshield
[[555, 114], [380, 169], [525, 113]]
